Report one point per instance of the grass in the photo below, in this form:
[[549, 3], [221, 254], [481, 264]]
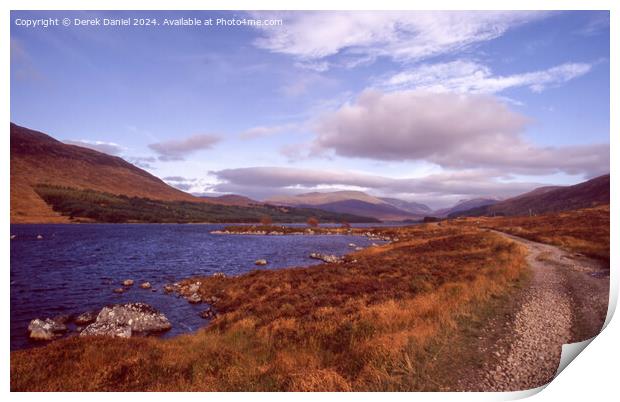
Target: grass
[[105, 207], [380, 321], [584, 231]]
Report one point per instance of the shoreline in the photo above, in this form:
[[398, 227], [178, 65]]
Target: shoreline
[[336, 323]]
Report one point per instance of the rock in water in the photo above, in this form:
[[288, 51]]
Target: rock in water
[[128, 282], [194, 298], [169, 288], [39, 237], [125, 320], [261, 262], [45, 330], [145, 285], [326, 257], [62, 318], [208, 314], [86, 318], [119, 290], [109, 329]]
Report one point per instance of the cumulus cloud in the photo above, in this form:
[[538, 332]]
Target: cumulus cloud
[[311, 37], [469, 76], [440, 189], [174, 150], [109, 148], [451, 130]]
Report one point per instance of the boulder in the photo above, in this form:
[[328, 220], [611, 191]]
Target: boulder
[[326, 257], [193, 288], [145, 285], [128, 282], [119, 290], [62, 318], [262, 261], [45, 330], [110, 329], [39, 237], [125, 320], [219, 275], [194, 298], [208, 314], [86, 318], [169, 288], [212, 299]]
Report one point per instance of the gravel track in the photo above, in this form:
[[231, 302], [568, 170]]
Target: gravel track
[[565, 301]]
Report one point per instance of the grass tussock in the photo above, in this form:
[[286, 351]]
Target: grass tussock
[[380, 321]]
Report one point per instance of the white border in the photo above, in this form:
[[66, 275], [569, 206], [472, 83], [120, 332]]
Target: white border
[[592, 376]]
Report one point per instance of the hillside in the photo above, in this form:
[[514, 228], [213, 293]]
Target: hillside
[[409, 206], [95, 206], [548, 199], [465, 205], [355, 202], [233, 199], [318, 198], [37, 158], [53, 182], [384, 212]]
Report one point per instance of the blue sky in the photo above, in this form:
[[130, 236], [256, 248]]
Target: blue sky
[[433, 107]]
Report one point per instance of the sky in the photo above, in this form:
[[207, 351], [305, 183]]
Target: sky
[[433, 107]]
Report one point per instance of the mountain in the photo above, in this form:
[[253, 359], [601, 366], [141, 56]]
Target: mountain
[[549, 199], [53, 182], [317, 198], [233, 199], [37, 158], [409, 206], [464, 205], [354, 202]]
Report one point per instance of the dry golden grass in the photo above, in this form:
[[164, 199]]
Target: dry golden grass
[[380, 321], [585, 231]]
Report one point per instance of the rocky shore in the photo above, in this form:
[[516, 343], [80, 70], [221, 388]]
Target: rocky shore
[[118, 320], [374, 234], [140, 319]]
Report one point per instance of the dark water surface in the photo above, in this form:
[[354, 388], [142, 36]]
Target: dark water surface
[[75, 268]]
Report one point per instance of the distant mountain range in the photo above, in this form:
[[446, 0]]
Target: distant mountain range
[[464, 205], [357, 203], [548, 199], [44, 170]]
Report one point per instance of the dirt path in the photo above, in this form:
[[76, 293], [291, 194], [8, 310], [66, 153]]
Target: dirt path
[[565, 302]]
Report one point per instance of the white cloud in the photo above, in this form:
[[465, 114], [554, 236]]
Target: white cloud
[[468, 76], [401, 36], [177, 149], [451, 130]]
